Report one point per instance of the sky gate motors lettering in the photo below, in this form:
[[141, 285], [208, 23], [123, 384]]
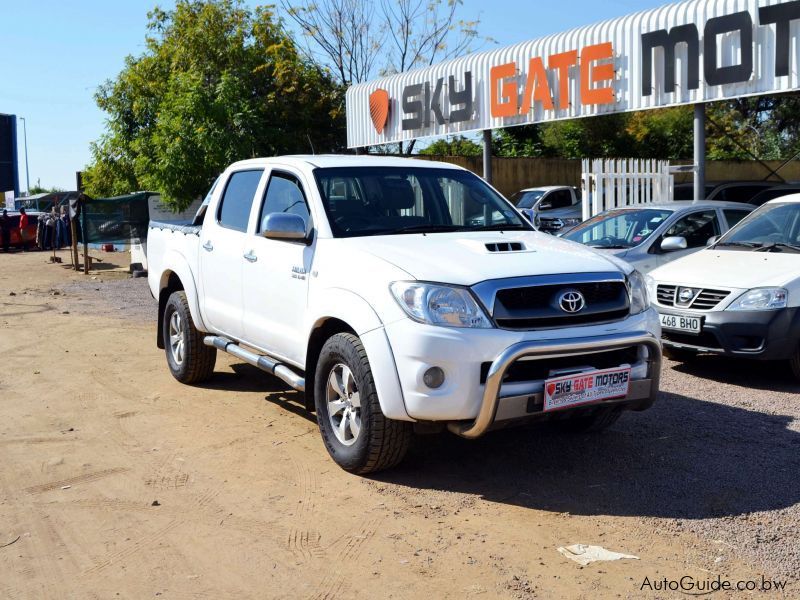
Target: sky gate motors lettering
[[741, 23], [707, 53], [510, 98]]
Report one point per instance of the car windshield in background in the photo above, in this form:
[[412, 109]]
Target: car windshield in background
[[526, 199], [618, 229], [362, 201], [772, 228]]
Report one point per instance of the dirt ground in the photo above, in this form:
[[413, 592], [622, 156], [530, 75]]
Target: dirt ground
[[118, 482]]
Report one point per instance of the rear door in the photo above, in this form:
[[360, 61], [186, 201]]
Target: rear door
[[222, 240]]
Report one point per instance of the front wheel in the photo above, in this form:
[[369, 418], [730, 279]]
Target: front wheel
[[189, 360], [357, 435]]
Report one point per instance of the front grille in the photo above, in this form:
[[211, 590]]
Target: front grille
[[550, 224], [537, 370], [706, 299], [537, 306]]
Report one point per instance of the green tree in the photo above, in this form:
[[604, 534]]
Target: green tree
[[666, 133], [455, 146], [217, 83]]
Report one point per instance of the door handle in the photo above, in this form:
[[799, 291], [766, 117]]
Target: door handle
[[250, 257], [208, 246]]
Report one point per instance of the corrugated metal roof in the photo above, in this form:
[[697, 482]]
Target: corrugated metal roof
[[625, 35]]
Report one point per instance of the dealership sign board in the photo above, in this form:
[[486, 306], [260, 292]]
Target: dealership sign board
[[695, 51]]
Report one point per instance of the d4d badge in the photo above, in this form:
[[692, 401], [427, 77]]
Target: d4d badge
[[379, 109]]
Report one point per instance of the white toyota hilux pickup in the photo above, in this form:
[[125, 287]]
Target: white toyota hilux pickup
[[400, 295]]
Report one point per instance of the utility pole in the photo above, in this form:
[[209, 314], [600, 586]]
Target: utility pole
[[27, 173]]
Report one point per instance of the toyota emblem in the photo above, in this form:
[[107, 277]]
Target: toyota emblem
[[571, 301]]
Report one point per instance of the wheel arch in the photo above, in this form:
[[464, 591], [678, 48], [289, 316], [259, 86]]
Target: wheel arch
[[346, 311], [177, 277]]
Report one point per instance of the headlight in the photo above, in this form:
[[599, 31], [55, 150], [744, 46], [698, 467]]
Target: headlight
[[761, 299], [571, 222], [439, 304], [640, 301]]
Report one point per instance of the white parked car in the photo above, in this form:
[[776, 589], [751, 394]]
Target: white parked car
[[369, 283], [652, 235], [740, 296]]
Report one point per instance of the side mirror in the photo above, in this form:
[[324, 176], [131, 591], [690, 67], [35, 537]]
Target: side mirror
[[284, 226], [671, 244], [712, 240], [545, 205]]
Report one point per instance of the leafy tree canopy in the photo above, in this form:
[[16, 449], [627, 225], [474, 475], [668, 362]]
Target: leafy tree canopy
[[455, 146], [217, 83]]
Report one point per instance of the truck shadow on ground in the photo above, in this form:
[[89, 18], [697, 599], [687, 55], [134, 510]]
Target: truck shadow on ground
[[684, 458], [771, 376]]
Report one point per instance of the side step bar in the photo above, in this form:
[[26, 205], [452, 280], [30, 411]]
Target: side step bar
[[265, 363]]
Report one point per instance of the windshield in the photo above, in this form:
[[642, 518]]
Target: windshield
[[361, 201], [526, 199], [619, 229], [773, 227]]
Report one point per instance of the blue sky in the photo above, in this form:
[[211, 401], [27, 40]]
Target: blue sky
[[54, 54]]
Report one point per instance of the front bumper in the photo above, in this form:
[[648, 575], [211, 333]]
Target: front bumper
[[641, 389], [762, 334], [475, 396]]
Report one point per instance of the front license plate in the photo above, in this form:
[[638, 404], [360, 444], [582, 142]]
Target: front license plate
[[585, 388], [679, 323]]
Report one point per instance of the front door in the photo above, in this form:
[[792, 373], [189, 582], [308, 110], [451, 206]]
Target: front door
[[275, 277], [222, 240]]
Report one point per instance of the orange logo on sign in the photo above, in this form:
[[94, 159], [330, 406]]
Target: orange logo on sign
[[379, 108]]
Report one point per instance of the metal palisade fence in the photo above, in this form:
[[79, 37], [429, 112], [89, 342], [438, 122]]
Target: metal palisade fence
[[612, 183]]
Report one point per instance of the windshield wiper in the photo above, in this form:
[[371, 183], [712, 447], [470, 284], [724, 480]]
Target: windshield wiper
[[612, 247], [742, 244], [771, 245]]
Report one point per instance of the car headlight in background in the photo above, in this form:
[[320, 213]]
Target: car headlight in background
[[640, 301], [439, 304], [571, 222], [761, 299]]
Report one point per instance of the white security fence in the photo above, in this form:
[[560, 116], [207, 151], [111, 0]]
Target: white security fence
[[612, 183]]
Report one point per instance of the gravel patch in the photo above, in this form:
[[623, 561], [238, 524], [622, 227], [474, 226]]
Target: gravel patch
[[126, 298]]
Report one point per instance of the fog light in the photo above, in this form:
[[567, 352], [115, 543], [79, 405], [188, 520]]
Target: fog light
[[433, 377]]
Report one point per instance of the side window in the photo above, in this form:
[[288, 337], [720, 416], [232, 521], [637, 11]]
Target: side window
[[734, 216], [697, 228], [237, 201], [560, 199], [285, 195]]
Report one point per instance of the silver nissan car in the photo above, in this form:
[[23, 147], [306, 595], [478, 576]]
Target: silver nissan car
[[651, 235]]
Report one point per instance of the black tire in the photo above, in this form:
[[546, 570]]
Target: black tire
[[197, 360], [380, 443], [794, 363], [602, 418], [678, 354]]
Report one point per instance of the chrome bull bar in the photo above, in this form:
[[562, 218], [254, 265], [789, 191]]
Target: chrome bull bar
[[555, 349]]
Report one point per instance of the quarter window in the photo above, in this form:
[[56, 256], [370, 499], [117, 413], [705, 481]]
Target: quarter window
[[237, 201]]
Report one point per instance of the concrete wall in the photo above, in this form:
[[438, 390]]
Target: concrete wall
[[512, 174]]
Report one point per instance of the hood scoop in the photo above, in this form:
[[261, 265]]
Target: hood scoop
[[505, 247]]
